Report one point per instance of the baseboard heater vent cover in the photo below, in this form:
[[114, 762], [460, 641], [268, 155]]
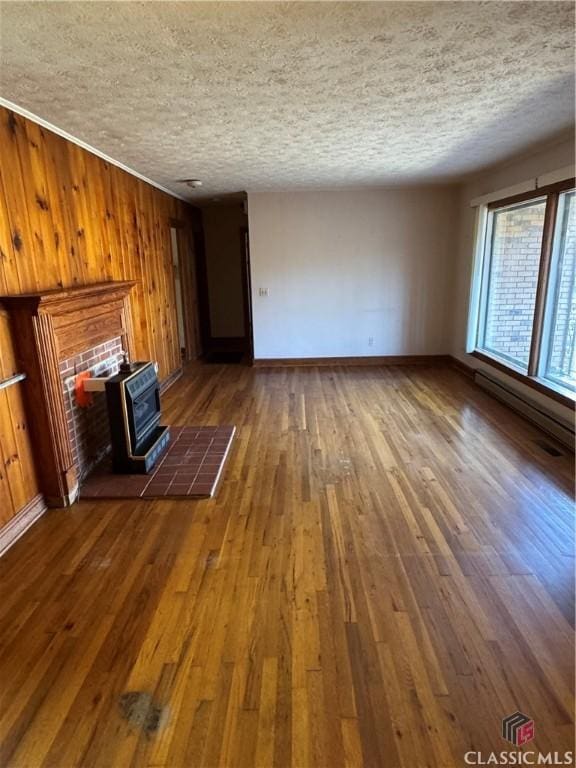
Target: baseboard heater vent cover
[[551, 424]]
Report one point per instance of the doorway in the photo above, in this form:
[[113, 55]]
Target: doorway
[[184, 263], [178, 291], [227, 277]]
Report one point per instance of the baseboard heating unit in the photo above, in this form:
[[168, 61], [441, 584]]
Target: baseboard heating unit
[[551, 423]]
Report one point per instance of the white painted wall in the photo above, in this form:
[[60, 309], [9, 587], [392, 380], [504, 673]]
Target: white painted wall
[[521, 170], [341, 267]]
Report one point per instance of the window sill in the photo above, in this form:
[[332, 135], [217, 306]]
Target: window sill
[[559, 394]]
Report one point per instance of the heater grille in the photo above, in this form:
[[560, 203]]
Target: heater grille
[[138, 440], [548, 422]]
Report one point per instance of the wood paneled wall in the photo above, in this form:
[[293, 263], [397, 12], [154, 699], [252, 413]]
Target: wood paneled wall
[[68, 218], [18, 482]]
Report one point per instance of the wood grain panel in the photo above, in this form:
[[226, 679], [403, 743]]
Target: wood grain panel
[[70, 219], [385, 573]]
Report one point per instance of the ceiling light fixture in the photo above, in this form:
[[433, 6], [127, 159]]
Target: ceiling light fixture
[[194, 183]]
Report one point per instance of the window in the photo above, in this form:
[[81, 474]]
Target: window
[[511, 281], [527, 311], [559, 347]]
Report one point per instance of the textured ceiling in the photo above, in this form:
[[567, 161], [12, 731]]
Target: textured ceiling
[[293, 95]]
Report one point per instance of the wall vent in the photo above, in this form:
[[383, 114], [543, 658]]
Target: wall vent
[[550, 423]]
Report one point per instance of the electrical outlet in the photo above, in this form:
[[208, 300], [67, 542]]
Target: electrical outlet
[[370, 341], [263, 292]]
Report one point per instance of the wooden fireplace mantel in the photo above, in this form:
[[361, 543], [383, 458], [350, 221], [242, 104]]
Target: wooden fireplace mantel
[[50, 327]]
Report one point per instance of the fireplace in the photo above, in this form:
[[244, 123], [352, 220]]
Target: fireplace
[[88, 428], [133, 400], [53, 328]]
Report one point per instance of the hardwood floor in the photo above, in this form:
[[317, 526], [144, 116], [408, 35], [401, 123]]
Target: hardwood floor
[[386, 572]]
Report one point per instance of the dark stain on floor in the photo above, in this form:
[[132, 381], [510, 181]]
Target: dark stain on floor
[[141, 711]]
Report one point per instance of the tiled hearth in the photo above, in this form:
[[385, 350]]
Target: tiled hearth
[[192, 467]]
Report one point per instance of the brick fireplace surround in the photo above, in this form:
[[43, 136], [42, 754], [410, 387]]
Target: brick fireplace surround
[[88, 427], [60, 334]]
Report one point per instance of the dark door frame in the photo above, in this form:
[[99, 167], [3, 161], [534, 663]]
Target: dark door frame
[[189, 287], [247, 290], [203, 297]]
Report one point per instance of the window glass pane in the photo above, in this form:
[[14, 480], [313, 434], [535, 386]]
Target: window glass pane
[[561, 305], [510, 281]]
